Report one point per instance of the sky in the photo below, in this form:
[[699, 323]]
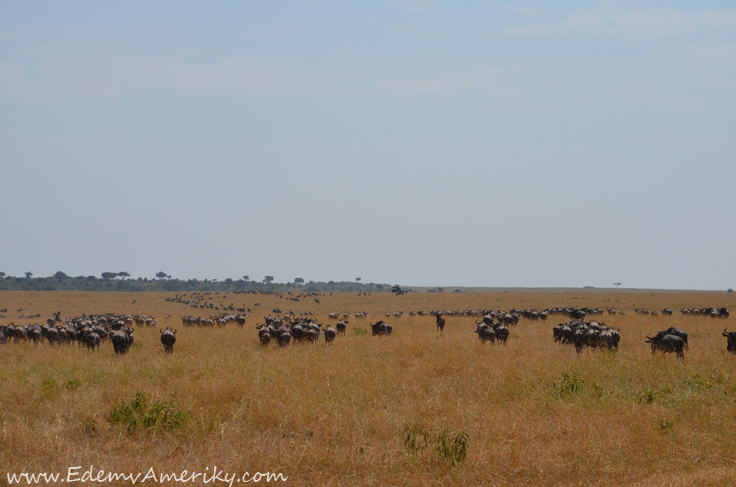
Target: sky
[[418, 142]]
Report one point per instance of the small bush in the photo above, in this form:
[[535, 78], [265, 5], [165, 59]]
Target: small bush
[[450, 447], [695, 383], [570, 384], [134, 414], [647, 396], [359, 331], [49, 384], [666, 424]]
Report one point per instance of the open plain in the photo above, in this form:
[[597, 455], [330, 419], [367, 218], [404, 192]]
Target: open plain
[[532, 412]]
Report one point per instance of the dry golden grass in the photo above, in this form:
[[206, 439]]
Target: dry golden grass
[[334, 415]]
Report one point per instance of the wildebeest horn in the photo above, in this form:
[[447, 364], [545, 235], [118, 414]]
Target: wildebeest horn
[[174, 331], [649, 336], [160, 330], [725, 333]]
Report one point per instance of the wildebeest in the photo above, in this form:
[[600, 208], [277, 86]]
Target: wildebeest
[[440, 320], [381, 328], [90, 339], [264, 334], [731, 340], [122, 340], [665, 342], [583, 334], [168, 338], [679, 333], [283, 335], [341, 326], [329, 334]]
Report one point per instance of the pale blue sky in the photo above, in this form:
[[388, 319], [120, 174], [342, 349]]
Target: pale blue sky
[[409, 141]]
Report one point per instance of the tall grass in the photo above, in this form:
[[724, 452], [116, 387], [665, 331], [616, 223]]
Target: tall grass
[[534, 412]]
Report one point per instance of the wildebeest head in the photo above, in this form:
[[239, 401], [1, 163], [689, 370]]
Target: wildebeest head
[[731, 340]]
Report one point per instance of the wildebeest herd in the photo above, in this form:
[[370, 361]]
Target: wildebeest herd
[[91, 331]]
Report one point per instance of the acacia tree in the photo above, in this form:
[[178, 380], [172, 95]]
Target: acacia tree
[[299, 280], [123, 275], [162, 275], [268, 279], [29, 274]]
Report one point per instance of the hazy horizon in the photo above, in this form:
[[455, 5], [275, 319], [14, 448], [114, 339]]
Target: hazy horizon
[[419, 142]]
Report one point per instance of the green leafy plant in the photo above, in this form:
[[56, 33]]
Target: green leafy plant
[[647, 396], [452, 448], [134, 414], [570, 383]]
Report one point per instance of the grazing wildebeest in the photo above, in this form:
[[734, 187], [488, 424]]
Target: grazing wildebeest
[[577, 314], [168, 338], [381, 328], [122, 340], [264, 335], [283, 335], [665, 342], [91, 340], [329, 334], [501, 332], [679, 333], [731, 340], [341, 326], [440, 320]]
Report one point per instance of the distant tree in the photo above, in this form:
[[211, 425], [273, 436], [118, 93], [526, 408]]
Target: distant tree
[[162, 275], [229, 280], [729, 290], [91, 278], [60, 275], [123, 275], [441, 289], [299, 280], [29, 274], [268, 279], [2, 274], [617, 284], [379, 286], [246, 278], [357, 279], [109, 275]]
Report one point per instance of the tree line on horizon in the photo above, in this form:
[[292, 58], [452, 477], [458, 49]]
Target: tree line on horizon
[[122, 281]]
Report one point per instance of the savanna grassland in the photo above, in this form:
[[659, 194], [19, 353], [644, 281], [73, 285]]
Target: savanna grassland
[[534, 412]]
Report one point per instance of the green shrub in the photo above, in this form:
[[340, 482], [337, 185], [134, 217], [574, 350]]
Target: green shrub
[[570, 384], [134, 414], [647, 396], [450, 447]]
